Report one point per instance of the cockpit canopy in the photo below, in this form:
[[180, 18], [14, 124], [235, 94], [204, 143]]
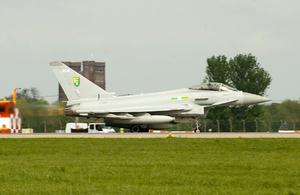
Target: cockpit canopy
[[212, 86]]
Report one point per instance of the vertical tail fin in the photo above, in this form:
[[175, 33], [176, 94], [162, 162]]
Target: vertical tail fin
[[74, 84]]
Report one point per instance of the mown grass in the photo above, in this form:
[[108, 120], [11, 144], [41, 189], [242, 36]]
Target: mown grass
[[149, 166]]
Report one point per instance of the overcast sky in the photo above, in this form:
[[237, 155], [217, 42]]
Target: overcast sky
[[148, 46]]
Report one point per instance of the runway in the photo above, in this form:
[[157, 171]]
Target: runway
[[151, 135]]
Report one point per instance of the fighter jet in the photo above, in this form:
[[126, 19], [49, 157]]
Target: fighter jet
[[145, 111]]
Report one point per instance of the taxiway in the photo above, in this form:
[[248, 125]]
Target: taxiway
[[151, 135]]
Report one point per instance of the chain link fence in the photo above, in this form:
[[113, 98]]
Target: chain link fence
[[241, 125], [49, 125]]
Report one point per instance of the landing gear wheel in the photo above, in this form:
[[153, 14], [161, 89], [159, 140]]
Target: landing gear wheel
[[135, 128]]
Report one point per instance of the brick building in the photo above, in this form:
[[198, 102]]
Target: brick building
[[94, 71]]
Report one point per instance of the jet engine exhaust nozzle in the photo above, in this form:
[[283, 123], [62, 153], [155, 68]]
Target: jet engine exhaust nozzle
[[71, 110]]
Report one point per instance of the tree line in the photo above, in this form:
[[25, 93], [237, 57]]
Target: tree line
[[242, 72]]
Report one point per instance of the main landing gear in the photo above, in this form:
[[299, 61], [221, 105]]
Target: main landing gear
[[135, 128], [138, 128]]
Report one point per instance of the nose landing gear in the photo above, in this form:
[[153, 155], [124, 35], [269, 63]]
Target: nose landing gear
[[197, 130]]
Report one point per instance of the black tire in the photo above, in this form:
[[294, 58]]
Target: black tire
[[196, 130], [135, 128]]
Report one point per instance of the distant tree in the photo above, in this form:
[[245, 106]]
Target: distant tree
[[247, 75], [31, 95], [286, 110], [217, 70], [242, 72], [34, 93]]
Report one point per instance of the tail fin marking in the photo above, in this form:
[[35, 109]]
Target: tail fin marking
[[74, 84]]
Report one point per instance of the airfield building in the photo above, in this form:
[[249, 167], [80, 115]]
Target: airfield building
[[94, 71]]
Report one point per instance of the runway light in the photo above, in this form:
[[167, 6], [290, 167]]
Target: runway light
[[169, 135]]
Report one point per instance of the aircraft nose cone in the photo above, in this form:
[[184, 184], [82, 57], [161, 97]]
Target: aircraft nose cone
[[250, 99]]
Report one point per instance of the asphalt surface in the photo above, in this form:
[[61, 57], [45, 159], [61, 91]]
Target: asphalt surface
[[151, 135]]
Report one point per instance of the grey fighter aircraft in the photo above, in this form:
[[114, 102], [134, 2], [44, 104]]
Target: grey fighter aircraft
[[145, 111]]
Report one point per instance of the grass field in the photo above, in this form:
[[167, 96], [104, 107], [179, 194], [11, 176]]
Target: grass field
[[149, 166]]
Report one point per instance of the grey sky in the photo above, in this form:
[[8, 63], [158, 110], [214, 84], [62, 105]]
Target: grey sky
[[148, 46]]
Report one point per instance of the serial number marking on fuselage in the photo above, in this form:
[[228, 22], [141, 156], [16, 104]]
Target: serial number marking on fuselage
[[65, 70]]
